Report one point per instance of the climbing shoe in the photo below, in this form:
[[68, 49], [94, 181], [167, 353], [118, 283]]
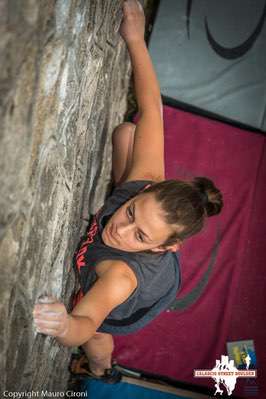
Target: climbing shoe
[[79, 366]]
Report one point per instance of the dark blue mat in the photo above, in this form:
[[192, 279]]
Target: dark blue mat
[[98, 390]]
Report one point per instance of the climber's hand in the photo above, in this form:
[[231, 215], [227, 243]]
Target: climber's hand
[[132, 27], [51, 318]]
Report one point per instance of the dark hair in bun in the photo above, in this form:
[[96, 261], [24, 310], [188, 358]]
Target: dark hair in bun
[[210, 196], [186, 204]]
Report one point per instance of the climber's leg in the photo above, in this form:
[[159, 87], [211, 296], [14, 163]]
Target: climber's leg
[[123, 140], [99, 350]]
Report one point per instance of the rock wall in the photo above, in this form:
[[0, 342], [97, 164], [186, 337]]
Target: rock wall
[[64, 78]]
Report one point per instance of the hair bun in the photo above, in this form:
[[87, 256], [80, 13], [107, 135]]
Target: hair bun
[[210, 195]]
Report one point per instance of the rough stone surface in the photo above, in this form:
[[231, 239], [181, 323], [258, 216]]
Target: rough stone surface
[[64, 78]]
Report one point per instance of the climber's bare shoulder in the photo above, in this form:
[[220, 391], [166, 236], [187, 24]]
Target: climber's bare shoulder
[[115, 283], [120, 266]]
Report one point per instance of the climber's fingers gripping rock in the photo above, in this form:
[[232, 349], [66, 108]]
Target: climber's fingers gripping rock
[[51, 319], [132, 27]]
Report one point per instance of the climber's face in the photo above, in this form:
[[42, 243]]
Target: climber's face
[[138, 225]]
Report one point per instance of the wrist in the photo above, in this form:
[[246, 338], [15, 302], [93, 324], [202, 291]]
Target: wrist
[[66, 330]]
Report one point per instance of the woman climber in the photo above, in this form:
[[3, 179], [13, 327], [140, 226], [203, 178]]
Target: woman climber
[[128, 260]]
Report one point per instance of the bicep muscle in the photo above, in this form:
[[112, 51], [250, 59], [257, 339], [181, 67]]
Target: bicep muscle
[[148, 149]]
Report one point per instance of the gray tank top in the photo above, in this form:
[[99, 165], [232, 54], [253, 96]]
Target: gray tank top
[[158, 274]]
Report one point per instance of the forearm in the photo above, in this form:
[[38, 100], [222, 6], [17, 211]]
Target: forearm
[[80, 330], [146, 84]]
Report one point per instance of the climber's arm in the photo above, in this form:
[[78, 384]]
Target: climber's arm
[[148, 149], [111, 289]]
